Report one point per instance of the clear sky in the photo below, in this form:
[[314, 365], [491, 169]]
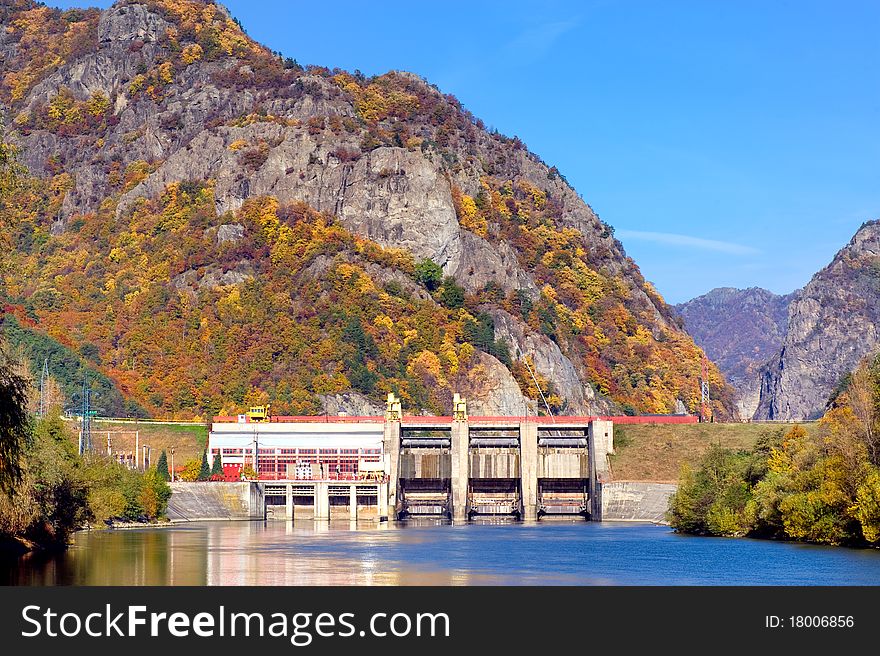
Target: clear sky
[[729, 143]]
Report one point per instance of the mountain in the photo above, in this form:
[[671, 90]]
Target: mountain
[[740, 330], [832, 325], [218, 225]]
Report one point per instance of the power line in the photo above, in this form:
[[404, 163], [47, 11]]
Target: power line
[[540, 391]]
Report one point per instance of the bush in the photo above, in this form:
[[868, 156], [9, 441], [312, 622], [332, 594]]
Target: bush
[[429, 274], [451, 295], [190, 471], [712, 499]]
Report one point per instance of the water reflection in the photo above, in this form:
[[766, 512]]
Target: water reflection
[[427, 553]]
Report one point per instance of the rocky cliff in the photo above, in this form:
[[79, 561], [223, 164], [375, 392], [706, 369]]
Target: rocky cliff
[[832, 325], [149, 109], [740, 330]]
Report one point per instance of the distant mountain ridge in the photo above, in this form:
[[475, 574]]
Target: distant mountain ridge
[[832, 325], [786, 355], [740, 330]]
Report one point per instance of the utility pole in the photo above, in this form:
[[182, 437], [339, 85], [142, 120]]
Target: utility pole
[[44, 381], [705, 408], [85, 436]]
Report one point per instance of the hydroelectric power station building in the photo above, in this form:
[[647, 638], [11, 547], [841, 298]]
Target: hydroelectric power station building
[[399, 466]]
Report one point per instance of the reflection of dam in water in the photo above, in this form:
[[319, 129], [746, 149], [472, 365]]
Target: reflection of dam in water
[[434, 552]]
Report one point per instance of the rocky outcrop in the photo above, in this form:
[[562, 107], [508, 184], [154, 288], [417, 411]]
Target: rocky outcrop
[[351, 403], [740, 330], [229, 232], [832, 325], [490, 390], [212, 277], [549, 361]]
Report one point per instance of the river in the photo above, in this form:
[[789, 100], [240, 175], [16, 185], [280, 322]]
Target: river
[[575, 553]]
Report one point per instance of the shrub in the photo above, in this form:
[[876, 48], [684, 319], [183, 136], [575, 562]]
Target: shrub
[[429, 274], [451, 295]]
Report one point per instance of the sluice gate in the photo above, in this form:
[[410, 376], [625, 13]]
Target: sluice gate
[[564, 466], [494, 471], [424, 480]]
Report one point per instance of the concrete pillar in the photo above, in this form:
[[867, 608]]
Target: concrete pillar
[[382, 496], [603, 435], [460, 470], [288, 498], [322, 500], [255, 495], [600, 443], [352, 503], [528, 463], [391, 450]]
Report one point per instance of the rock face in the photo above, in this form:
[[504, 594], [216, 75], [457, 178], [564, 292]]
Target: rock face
[[352, 404], [491, 390], [740, 330], [831, 327], [549, 362], [225, 110]]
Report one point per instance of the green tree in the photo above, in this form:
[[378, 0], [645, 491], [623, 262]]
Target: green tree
[[217, 467], [714, 499], [11, 172], [154, 494], [162, 466], [14, 423], [451, 295], [50, 499], [190, 471], [429, 274], [204, 470], [867, 508]]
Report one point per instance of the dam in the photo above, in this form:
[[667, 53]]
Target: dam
[[398, 466]]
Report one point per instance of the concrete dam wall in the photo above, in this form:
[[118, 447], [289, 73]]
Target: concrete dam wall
[[621, 501], [215, 501], [636, 501]]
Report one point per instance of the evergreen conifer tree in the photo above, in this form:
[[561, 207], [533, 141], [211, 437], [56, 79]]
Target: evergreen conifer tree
[[205, 471], [217, 468], [162, 467]]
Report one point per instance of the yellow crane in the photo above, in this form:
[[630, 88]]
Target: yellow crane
[[258, 413]]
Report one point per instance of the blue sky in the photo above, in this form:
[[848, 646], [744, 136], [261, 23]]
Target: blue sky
[[729, 143]]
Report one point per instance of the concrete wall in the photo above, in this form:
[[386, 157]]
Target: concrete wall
[[636, 501], [215, 500]]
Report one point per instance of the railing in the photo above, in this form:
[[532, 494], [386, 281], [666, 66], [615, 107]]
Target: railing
[[333, 476], [428, 420], [305, 419]]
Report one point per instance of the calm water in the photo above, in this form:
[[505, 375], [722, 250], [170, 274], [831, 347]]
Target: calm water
[[256, 553]]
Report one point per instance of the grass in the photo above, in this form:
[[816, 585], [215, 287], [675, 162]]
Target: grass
[[188, 441], [645, 452]]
